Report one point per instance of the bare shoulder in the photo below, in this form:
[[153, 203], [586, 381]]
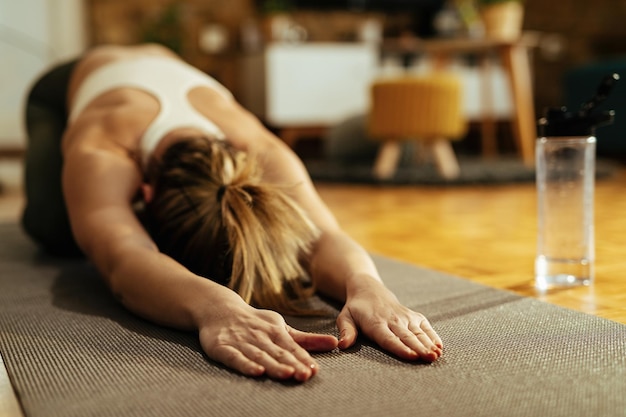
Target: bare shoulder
[[99, 187], [95, 175]]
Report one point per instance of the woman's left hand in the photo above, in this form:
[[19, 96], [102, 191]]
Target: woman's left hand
[[374, 310]]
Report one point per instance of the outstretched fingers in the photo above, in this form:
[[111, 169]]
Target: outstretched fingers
[[277, 353], [235, 359], [273, 361], [408, 340], [415, 339], [431, 333], [313, 342], [293, 354], [348, 330]]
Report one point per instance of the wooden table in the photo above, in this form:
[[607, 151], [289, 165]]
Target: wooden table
[[514, 56]]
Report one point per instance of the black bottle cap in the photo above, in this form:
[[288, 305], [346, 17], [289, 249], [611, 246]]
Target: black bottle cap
[[561, 122]]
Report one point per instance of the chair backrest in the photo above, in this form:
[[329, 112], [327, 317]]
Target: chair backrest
[[422, 107]]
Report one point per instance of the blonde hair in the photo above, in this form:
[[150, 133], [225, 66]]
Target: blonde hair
[[212, 212]]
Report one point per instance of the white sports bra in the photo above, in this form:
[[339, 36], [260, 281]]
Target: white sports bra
[[168, 80]]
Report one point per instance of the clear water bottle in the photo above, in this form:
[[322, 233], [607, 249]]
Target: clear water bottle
[[565, 166]]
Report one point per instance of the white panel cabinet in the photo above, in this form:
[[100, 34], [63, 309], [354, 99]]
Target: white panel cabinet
[[311, 84]]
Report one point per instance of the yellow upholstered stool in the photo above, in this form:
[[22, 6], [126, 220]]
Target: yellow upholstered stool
[[426, 108]]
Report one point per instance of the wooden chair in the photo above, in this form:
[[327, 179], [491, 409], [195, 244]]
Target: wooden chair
[[425, 108]]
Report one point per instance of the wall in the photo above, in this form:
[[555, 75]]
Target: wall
[[577, 31], [587, 31], [177, 24], [33, 34], [180, 24]]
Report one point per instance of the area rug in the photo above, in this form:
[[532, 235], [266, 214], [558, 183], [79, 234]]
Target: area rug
[[71, 350], [474, 170]]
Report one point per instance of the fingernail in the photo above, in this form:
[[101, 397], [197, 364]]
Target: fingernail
[[304, 374]]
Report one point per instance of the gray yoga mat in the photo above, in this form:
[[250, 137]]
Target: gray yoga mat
[[71, 350]]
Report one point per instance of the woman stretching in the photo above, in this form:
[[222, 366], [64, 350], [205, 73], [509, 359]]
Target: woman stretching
[[197, 216]]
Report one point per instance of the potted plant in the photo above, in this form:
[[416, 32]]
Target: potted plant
[[276, 18], [502, 19]]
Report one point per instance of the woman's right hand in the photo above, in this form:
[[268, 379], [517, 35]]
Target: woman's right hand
[[257, 342]]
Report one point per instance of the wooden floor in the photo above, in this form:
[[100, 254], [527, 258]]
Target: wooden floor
[[485, 234]]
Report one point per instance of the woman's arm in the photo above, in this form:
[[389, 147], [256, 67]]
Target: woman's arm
[[343, 270], [99, 185]]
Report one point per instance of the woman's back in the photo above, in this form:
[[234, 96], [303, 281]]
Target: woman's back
[[118, 95]]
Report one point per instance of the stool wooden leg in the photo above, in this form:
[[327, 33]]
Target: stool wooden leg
[[445, 159], [387, 160]]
